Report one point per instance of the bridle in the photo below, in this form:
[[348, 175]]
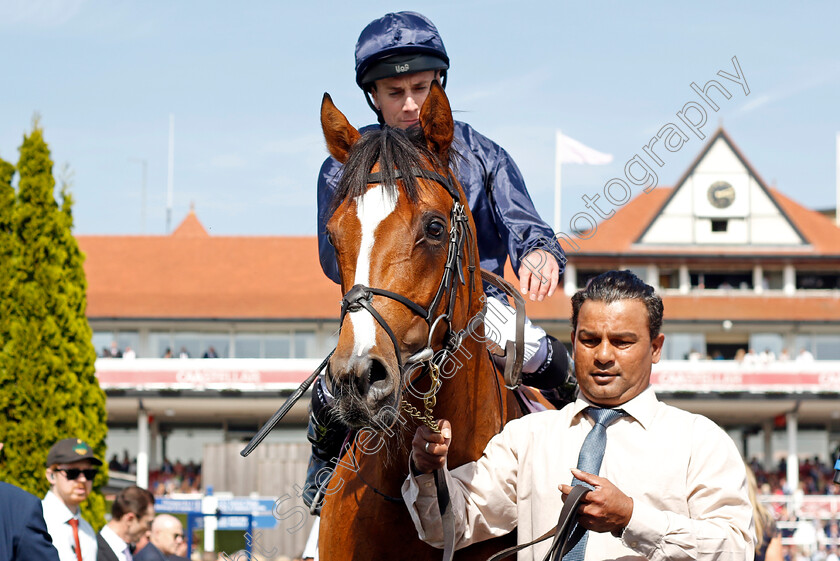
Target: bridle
[[360, 297]]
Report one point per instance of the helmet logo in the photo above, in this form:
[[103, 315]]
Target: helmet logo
[[400, 68]]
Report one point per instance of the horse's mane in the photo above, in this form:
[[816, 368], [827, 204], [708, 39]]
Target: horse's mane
[[394, 149]]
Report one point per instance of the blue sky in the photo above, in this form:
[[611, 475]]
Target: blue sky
[[245, 80]]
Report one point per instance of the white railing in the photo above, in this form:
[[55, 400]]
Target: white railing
[[807, 513], [285, 374], [823, 507]]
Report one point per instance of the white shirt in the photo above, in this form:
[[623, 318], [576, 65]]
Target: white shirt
[[117, 544], [683, 472], [56, 515]]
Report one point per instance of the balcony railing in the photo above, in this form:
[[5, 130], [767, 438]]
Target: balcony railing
[[286, 374]]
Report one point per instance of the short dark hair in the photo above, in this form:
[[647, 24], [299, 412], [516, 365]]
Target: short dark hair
[[612, 286], [132, 499]]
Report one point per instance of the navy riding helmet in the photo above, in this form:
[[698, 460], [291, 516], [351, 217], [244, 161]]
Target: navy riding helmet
[[396, 44]]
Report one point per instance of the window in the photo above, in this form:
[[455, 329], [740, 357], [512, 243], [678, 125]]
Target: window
[[305, 344], [827, 347], [102, 342], [586, 275], [821, 347], [774, 280], [187, 343], [278, 345], [220, 343], [722, 280], [301, 344], [719, 225], [678, 346], [817, 280], [767, 342], [160, 342], [248, 345], [669, 279]]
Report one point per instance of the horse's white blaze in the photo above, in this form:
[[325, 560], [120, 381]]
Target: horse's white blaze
[[371, 208]]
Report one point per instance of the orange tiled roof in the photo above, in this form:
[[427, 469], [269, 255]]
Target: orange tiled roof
[[817, 228], [188, 275], [279, 278]]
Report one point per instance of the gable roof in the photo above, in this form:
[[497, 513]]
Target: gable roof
[[784, 224], [620, 235], [617, 235], [191, 227]]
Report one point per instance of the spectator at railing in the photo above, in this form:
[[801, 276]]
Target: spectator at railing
[[767, 356], [169, 478], [815, 476], [175, 478]]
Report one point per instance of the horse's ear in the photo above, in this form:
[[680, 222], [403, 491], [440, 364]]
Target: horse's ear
[[338, 132], [437, 123]]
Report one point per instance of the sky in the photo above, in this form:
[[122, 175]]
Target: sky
[[244, 81]]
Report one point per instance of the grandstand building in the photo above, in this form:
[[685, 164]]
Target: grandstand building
[[745, 272]]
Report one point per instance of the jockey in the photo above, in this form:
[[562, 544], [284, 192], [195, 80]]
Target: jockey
[[397, 58]]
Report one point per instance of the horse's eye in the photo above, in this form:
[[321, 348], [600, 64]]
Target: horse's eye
[[435, 229]]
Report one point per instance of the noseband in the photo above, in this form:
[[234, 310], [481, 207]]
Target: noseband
[[361, 297]]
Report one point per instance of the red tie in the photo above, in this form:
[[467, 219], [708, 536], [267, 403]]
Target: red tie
[[75, 524]]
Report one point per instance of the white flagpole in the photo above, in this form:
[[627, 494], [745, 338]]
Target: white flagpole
[[170, 182], [837, 183], [558, 175]]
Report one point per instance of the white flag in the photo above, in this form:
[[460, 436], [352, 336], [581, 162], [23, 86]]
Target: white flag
[[570, 151]]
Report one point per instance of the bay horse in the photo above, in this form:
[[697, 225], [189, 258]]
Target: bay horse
[[404, 240]]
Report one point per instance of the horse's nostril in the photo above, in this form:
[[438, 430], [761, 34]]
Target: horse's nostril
[[377, 372]]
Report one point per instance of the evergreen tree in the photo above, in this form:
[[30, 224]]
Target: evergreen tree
[[8, 253], [50, 389], [7, 243]]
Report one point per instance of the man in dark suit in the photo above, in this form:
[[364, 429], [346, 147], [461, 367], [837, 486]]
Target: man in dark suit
[[167, 535], [23, 533], [131, 516]]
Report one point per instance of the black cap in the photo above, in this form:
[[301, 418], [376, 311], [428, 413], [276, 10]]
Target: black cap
[[71, 450]]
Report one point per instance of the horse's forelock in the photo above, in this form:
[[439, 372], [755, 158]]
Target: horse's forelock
[[393, 149]]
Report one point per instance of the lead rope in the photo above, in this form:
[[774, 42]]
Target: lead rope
[[429, 401]]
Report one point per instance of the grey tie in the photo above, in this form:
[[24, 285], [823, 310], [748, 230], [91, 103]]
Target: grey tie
[[589, 460]]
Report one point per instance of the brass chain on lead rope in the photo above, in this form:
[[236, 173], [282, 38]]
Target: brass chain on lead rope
[[429, 401]]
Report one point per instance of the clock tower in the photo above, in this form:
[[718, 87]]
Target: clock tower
[[721, 200]]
